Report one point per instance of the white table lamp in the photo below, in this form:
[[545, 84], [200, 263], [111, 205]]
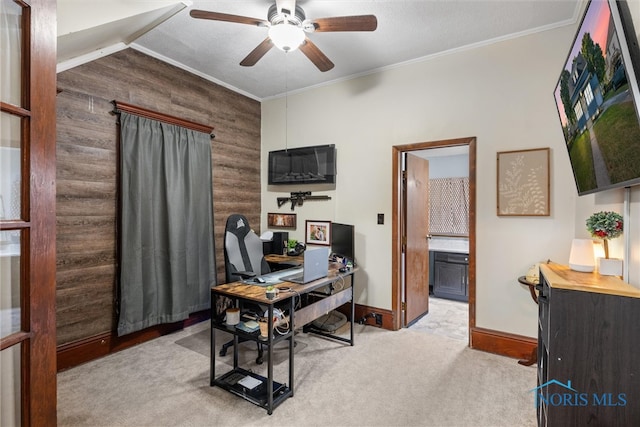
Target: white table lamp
[[581, 257]]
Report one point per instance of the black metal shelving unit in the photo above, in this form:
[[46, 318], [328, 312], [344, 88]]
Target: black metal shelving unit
[[229, 381]]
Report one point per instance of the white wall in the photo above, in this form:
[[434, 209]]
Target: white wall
[[503, 95]]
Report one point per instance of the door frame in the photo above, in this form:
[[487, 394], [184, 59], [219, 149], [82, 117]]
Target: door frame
[[397, 224]]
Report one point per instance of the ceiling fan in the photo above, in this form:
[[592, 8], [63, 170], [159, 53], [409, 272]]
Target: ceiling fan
[[287, 25]]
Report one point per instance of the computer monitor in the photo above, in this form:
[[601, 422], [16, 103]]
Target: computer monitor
[[342, 240]]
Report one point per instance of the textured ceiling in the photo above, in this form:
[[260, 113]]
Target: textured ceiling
[[407, 31]]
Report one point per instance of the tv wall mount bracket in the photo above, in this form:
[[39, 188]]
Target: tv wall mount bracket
[[297, 198]]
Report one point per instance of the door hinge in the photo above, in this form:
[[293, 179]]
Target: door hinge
[[404, 306]]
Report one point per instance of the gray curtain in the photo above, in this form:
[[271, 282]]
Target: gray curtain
[[167, 260]]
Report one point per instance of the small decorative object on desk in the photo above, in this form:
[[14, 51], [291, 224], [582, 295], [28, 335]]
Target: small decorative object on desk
[[271, 292], [318, 232], [606, 225]]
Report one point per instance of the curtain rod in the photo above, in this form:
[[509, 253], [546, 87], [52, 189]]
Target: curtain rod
[[166, 118]]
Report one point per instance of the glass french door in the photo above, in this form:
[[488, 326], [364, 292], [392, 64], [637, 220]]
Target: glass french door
[[27, 212]]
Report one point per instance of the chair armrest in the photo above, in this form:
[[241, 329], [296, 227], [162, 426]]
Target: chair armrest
[[245, 274]]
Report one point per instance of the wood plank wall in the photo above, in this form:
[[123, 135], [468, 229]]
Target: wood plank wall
[[86, 211]]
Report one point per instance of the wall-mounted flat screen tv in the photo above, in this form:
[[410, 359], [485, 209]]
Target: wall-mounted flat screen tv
[[304, 165], [597, 98]]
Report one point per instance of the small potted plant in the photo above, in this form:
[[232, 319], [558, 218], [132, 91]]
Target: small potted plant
[[270, 292], [606, 225], [291, 245]]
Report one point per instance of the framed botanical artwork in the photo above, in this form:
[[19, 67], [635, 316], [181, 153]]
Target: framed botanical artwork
[[280, 220], [318, 233], [523, 182]]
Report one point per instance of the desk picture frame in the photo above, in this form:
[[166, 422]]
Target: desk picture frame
[[318, 233], [523, 182]]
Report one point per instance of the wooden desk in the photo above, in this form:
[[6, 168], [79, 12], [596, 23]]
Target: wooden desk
[[241, 293], [284, 259], [279, 262]]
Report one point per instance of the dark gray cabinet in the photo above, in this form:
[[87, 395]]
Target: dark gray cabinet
[[451, 275], [588, 346]]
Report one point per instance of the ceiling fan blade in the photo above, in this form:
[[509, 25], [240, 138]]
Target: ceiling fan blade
[[257, 53], [215, 16], [316, 56], [346, 23]]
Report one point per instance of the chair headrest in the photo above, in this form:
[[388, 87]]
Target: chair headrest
[[237, 224]]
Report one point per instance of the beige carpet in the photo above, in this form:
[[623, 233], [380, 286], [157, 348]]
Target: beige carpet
[[402, 378], [445, 317]]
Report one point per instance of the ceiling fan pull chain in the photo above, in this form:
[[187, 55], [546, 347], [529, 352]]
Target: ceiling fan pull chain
[[286, 100]]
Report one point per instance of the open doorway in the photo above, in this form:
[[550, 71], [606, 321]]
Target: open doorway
[[405, 239]]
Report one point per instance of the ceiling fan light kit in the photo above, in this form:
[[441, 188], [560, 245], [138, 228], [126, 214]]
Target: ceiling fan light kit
[[287, 30], [286, 37]]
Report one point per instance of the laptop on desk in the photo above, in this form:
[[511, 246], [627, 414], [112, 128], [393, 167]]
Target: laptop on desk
[[315, 266]]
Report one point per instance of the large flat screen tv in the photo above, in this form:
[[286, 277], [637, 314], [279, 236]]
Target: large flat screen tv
[[597, 99], [304, 165]]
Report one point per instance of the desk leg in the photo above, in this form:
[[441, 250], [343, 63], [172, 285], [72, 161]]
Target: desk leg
[[353, 307], [291, 343], [270, 361], [236, 344], [212, 356]]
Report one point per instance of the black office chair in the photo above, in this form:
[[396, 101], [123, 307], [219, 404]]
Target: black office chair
[[243, 258]]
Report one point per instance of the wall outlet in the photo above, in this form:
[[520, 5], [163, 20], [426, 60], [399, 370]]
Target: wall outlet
[[378, 319]]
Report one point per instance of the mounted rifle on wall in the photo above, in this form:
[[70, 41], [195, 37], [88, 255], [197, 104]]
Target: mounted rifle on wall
[[297, 198]]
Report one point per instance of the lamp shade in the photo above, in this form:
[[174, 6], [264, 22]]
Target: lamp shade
[[286, 37], [581, 257], [598, 249]]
